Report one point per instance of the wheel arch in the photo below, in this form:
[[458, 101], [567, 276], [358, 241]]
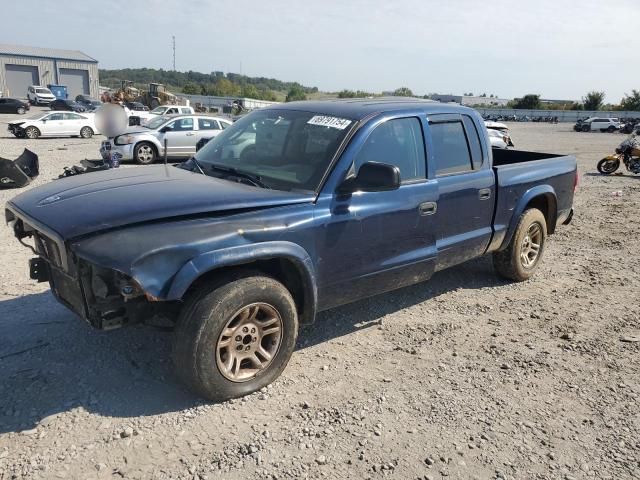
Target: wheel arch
[[542, 197], [286, 262]]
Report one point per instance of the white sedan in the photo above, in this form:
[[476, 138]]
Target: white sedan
[[55, 124]]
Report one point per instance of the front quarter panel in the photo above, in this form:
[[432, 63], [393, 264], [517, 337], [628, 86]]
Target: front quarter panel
[[165, 258]]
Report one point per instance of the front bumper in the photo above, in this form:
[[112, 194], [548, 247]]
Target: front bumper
[[107, 148]]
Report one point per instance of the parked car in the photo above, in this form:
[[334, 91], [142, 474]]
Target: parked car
[[497, 139], [140, 117], [13, 105], [88, 103], [145, 144], [502, 129], [136, 106], [67, 105], [327, 203], [596, 124], [55, 124], [38, 95]]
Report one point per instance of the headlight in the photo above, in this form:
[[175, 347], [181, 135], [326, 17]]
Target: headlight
[[123, 140]]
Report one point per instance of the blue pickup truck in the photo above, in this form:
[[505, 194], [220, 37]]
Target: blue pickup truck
[[292, 210]]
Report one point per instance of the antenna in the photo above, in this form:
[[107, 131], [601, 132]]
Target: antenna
[[174, 52]]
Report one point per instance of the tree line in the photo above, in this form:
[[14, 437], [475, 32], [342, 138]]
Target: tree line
[[215, 83], [594, 100]]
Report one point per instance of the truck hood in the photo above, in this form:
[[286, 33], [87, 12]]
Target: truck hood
[[97, 201]]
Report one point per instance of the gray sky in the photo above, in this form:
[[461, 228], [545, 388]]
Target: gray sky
[[558, 48]]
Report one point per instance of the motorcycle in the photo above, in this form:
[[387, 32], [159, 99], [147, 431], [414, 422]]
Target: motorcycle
[[628, 152]]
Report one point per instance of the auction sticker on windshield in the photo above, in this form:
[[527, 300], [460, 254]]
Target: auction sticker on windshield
[[326, 121]]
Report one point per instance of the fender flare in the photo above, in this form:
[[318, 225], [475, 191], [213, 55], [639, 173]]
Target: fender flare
[[546, 191], [244, 254]]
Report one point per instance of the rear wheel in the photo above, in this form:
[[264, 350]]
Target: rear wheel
[[144, 153], [32, 132], [522, 256], [86, 132], [607, 166], [585, 128], [611, 129], [236, 336]]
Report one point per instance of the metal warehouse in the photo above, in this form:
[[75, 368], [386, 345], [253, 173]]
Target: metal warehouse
[[21, 66]]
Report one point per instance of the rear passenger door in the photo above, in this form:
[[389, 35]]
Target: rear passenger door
[[466, 188], [207, 128]]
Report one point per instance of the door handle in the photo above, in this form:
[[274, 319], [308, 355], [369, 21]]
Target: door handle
[[428, 208], [484, 193], [190, 134]]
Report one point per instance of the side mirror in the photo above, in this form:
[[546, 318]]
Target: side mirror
[[373, 177], [165, 129]]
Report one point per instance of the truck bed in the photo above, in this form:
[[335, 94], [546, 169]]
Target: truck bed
[[509, 157], [521, 175]]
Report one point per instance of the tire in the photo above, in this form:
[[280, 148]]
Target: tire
[[32, 133], [20, 111], [607, 167], [509, 262], [611, 129], [199, 354], [586, 128], [86, 132], [155, 103], [144, 153]]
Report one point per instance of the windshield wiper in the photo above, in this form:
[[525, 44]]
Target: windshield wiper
[[255, 179], [194, 162]]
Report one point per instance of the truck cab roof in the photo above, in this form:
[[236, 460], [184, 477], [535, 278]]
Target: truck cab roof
[[357, 109]]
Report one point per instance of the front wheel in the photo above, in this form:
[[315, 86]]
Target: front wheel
[[611, 129], [607, 166], [144, 153], [86, 132], [235, 336], [521, 258], [32, 132], [20, 111]]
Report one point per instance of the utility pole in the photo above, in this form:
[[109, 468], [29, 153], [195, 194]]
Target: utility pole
[[174, 52]]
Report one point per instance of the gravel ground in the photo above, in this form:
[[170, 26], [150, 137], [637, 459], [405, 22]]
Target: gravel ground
[[465, 376]]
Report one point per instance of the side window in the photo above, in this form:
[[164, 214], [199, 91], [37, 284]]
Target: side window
[[172, 111], [55, 116], [71, 116], [207, 124], [397, 142], [474, 141], [185, 110], [181, 125], [450, 148]]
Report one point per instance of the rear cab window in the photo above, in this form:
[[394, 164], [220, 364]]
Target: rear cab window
[[456, 144]]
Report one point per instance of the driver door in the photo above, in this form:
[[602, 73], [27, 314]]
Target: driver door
[[181, 137], [53, 124], [379, 241]]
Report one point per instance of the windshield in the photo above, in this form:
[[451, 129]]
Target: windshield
[[155, 123], [159, 110], [286, 149], [44, 90]]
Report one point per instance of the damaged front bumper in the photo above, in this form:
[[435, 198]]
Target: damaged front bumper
[[103, 297]]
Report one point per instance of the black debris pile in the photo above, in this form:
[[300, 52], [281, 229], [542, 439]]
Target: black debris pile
[[18, 173]]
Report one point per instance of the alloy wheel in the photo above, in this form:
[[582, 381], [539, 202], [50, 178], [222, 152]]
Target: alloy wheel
[[249, 342], [531, 244]]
